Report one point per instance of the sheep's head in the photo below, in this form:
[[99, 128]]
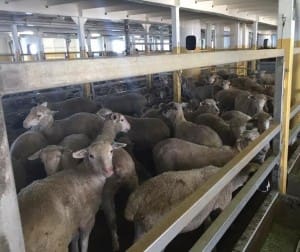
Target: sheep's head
[[209, 106], [120, 122], [50, 157], [261, 120], [172, 110], [40, 115], [246, 137], [99, 156]]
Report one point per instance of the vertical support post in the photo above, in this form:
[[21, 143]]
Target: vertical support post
[[244, 36], [278, 113], [11, 236], [161, 41], [127, 38], [16, 43], [89, 45], [254, 42], [219, 34], [176, 50], [80, 21], [208, 36], [147, 51], [41, 52], [286, 30], [296, 65], [235, 42]]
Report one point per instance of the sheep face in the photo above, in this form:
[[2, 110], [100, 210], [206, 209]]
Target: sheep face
[[210, 106], [50, 157], [99, 156], [37, 116], [172, 110], [120, 121], [247, 137]]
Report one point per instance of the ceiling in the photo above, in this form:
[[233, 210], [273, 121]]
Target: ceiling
[[264, 11]]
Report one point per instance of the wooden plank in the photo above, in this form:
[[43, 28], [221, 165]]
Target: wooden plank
[[20, 77]]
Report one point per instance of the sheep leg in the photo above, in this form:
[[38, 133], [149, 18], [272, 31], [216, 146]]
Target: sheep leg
[[108, 206], [74, 244], [85, 234]]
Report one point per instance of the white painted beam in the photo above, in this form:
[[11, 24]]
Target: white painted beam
[[175, 27], [21, 77]]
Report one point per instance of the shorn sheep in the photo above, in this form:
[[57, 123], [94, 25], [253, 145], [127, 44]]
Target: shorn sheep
[[157, 196], [54, 210]]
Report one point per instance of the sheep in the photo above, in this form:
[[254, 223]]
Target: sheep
[[72, 106], [226, 98], [189, 131], [159, 195], [128, 104], [146, 132], [41, 119], [219, 125], [246, 83], [235, 114], [57, 158], [250, 104], [55, 209], [25, 145], [176, 154], [206, 106], [261, 121]]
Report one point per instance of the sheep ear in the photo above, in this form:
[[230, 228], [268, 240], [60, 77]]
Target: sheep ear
[[117, 145], [44, 104], [35, 155], [80, 154]]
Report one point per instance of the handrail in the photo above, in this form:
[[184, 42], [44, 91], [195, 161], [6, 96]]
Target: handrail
[[217, 229], [28, 76], [179, 217], [296, 50], [294, 110]]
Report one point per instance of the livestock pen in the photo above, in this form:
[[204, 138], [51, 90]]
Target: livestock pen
[[16, 77]]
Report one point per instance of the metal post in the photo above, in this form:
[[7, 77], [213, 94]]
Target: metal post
[[277, 114], [11, 236], [254, 42], [244, 36], [80, 21], [176, 50], [296, 65], [208, 36], [89, 45], [41, 52], [219, 34], [235, 36], [147, 51], [127, 38], [16, 43], [286, 30]]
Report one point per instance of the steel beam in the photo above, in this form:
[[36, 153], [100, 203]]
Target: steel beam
[[28, 76], [11, 237]]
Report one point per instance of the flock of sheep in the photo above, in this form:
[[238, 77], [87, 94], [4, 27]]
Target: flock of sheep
[[77, 155]]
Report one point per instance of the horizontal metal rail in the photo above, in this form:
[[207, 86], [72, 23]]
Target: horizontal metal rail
[[294, 110], [28, 76], [297, 50], [215, 232], [256, 222], [173, 223]]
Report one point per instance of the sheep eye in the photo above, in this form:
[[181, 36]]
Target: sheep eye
[[91, 156], [111, 151], [122, 120], [39, 115]]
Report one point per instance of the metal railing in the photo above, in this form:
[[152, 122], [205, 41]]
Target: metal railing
[[16, 77]]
